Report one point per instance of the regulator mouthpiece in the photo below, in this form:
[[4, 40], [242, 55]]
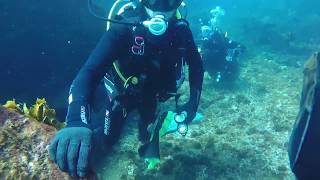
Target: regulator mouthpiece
[[156, 25]]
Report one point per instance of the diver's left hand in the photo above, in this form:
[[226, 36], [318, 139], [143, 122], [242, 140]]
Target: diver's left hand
[[190, 109], [70, 149]]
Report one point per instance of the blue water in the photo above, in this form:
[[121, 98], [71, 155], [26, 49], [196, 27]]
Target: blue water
[[43, 44]]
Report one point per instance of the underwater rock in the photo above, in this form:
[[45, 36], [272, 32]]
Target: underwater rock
[[23, 152]]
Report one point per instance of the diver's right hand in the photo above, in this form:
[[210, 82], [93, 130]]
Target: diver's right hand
[[70, 149]]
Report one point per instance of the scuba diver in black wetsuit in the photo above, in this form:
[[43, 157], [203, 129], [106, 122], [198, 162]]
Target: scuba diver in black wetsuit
[[141, 60], [220, 54]]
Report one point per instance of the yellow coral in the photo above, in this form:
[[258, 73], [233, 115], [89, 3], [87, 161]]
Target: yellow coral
[[40, 111], [11, 104], [25, 109]]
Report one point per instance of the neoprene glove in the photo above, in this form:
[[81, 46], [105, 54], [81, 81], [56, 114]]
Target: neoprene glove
[[70, 149]]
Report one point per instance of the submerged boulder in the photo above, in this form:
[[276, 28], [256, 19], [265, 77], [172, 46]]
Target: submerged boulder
[[23, 148]]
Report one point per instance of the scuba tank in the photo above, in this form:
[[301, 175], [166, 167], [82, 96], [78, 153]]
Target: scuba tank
[[118, 5]]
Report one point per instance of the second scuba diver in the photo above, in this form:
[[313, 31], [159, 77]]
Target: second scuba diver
[[220, 54], [141, 61]]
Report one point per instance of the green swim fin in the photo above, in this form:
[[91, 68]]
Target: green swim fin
[[170, 126], [152, 163]]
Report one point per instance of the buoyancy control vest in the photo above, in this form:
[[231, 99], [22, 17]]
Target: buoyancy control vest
[[145, 49]]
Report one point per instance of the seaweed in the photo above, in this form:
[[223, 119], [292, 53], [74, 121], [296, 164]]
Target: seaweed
[[40, 112]]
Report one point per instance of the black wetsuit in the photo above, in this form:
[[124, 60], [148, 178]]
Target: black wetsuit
[[154, 61], [220, 55]]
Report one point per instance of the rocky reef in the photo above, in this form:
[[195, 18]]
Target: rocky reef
[[23, 153]]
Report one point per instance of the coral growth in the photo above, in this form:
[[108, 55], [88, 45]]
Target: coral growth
[[12, 105], [40, 111]]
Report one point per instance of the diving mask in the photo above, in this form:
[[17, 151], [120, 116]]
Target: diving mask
[[162, 5]]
